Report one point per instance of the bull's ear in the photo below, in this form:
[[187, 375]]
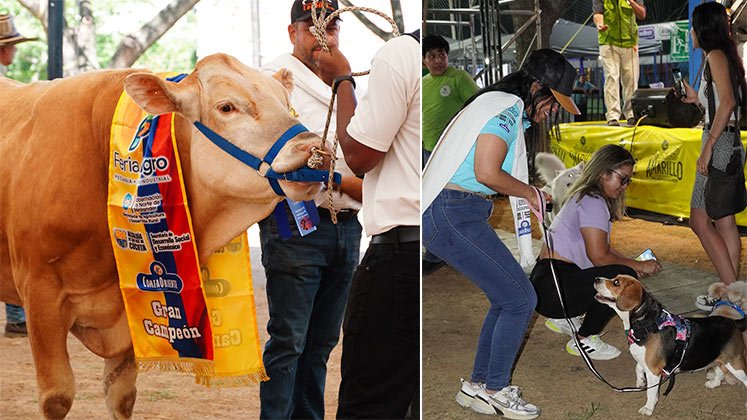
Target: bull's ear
[[157, 96], [285, 77]]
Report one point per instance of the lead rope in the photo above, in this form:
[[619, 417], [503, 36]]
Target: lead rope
[[319, 30]]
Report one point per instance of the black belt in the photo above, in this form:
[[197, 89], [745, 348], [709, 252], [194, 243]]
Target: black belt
[[342, 215], [397, 235], [728, 128]]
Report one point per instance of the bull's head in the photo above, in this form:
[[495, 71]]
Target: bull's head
[[245, 107], [251, 111]]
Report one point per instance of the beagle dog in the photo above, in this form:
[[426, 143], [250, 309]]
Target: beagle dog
[[664, 344]]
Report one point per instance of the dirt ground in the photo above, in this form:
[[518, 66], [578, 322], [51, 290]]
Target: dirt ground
[[452, 314], [160, 395], [560, 384]]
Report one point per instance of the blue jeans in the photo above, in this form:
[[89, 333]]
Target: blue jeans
[[308, 280], [14, 314], [456, 229]]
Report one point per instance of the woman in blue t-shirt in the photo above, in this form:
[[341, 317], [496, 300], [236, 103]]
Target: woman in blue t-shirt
[[456, 228], [580, 235]]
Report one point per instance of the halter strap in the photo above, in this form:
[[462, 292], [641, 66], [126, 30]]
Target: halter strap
[[304, 174]]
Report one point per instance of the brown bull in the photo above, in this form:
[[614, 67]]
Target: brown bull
[[55, 253]]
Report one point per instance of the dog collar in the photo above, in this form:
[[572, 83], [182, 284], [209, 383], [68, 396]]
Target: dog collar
[[730, 304]]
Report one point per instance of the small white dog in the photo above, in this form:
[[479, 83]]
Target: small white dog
[[734, 298], [557, 178]]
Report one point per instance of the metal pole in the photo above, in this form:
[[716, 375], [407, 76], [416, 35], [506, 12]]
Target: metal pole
[[539, 23], [491, 31], [483, 24], [500, 41], [256, 50], [54, 38], [474, 47]]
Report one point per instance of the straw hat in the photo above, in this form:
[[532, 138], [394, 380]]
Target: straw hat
[[8, 33]]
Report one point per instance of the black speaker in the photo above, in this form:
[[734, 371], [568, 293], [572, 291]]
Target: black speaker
[[663, 108]]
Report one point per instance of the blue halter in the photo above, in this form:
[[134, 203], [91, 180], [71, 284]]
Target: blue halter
[[304, 174]]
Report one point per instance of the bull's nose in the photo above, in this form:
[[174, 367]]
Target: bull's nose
[[321, 158]]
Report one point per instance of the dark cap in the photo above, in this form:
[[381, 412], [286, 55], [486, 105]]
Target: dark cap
[[301, 9], [555, 72]]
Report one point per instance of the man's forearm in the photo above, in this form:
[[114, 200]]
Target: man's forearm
[[359, 157]]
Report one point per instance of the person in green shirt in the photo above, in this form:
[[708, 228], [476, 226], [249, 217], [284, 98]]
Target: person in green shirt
[[444, 90], [618, 48]]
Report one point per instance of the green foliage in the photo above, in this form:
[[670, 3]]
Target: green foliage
[[114, 19]]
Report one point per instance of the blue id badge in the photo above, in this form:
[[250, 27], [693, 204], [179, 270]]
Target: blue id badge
[[302, 217]]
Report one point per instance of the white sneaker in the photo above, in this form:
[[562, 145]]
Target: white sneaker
[[705, 302], [467, 393], [594, 347], [560, 325], [506, 402]]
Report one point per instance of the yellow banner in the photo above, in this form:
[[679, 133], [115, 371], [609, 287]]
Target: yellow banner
[[238, 353], [181, 316], [664, 174]]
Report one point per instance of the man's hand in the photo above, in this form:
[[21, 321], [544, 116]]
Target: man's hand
[[332, 65], [601, 27]]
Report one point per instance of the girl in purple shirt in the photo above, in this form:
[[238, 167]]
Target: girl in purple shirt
[[581, 252]]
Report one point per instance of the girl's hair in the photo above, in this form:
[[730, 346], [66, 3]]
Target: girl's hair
[[519, 83], [603, 161], [713, 30]]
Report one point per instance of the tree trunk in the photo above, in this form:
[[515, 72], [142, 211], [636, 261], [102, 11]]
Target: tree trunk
[[79, 44], [552, 10], [134, 44], [86, 57]]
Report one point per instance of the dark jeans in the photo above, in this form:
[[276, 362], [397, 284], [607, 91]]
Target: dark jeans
[[577, 286], [381, 334], [307, 287]]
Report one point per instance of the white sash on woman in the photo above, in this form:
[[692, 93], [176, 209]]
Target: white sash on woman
[[454, 145]]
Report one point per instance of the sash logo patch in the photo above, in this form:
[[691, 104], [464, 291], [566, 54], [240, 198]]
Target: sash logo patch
[[141, 134], [159, 280]]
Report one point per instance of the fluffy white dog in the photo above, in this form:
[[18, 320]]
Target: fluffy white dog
[[557, 178]]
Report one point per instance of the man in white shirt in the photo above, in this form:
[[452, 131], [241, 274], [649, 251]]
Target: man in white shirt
[[308, 278], [381, 138]]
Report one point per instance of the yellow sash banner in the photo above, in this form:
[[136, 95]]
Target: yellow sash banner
[[664, 174], [181, 316]]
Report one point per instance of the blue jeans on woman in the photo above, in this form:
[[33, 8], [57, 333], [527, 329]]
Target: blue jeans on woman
[[308, 279], [456, 229]]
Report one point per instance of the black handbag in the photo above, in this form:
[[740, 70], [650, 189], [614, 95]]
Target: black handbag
[[725, 192]]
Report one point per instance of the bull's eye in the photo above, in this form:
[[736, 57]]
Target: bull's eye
[[226, 108], [616, 283]]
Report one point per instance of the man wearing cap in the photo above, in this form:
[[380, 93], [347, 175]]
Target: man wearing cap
[[15, 322], [308, 278], [618, 48], [381, 138], [484, 152]]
